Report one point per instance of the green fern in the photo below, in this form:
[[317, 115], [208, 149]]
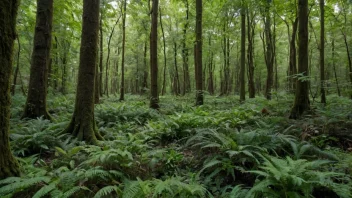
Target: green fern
[[107, 190]]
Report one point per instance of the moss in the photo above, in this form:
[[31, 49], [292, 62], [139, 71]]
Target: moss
[[8, 13]]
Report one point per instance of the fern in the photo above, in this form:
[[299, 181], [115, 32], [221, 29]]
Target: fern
[[294, 177], [107, 190], [22, 184]]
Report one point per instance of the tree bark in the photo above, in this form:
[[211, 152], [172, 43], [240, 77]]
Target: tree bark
[[154, 98], [13, 88], [301, 103], [122, 88], [334, 65], [269, 54], [163, 89], [250, 55], [8, 13], [177, 79], [198, 53], [37, 91], [145, 72], [322, 48], [82, 124], [243, 54], [101, 48], [186, 77]]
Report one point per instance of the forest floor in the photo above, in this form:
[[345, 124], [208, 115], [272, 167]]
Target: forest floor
[[221, 149]]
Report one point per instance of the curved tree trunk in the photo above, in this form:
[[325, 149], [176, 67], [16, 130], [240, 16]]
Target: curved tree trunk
[[8, 12], [301, 103], [37, 91], [163, 89], [154, 98], [82, 124]]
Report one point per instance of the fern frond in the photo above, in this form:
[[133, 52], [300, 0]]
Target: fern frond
[[106, 191]]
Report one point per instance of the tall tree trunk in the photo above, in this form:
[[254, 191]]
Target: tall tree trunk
[[66, 48], [36, 100], [101, 48], [269, 55], [198, 53], [163, 89], [96, 85], [13, 88], [108, 58], [293, 56], [82, 124], [8, 13], [145, 72], [243, 54], [301, 102], [177, 79], [250, 56], [211, 69], [322, 51], [186, 77], [122, 88], [334, 65], [154, 98]]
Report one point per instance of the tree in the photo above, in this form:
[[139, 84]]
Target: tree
[[322, 49], [250, 54], [154, 98], [122, 88], [301, 102], [269, 51], [37, 91], [198, 53], [82, 124], [243, 54], [8, 14]]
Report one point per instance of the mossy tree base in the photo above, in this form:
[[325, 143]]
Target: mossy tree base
[[8, 164], [82, 124], [84, 130]]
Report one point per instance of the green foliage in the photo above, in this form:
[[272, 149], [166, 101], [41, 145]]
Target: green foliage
[[296, 178], [172, 187], [226, 149], [37, 136]]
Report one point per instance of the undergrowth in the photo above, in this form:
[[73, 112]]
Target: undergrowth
[[220, 149]]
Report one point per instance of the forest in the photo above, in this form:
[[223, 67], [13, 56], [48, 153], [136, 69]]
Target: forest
[[175, 98]]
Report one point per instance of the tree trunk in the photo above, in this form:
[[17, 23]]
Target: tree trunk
[[293, 57], [334, 65], [8, 12], [145, 72], [154, 98], [36, 100], [301, 102], [250, 56], [243, 54], [198, 53], [269, 55], [108, 58], [163, 89], [101, 48], [13, 88], [322, 48], [177, 79], [122, 88], [82, 124], [186, 77]]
